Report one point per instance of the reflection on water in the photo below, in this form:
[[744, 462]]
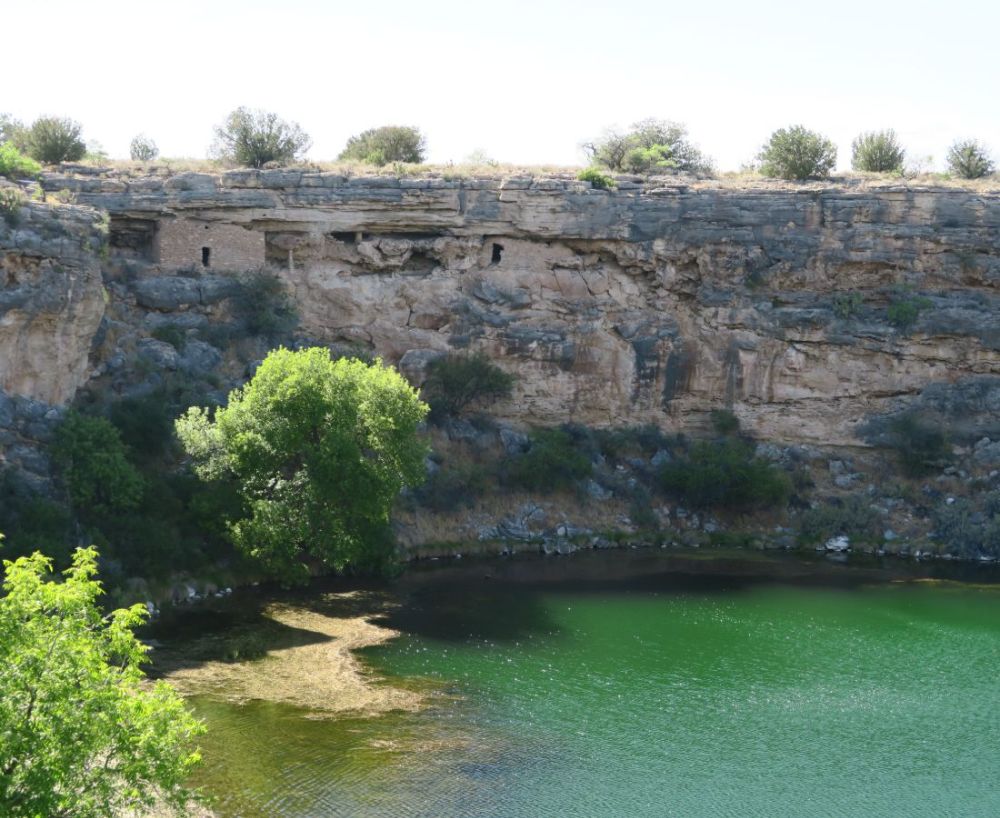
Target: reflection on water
[[681, 692]]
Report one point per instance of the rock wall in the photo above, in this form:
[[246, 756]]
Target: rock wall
[[653, 303], [51, 299]]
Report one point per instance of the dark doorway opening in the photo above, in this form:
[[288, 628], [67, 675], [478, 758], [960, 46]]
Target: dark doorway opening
[[206, 255], [497, 253]]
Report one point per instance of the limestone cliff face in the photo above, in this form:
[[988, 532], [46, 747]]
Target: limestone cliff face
[[51, 300], [653, 303]]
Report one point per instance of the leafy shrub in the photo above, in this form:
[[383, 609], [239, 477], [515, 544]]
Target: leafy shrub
[[13, 132], [52, 140], [724, 422], [877, 152], [624, 440], [15, 165], [254, 138], [969, 159], [921, 446], [969, 529], [11, 202], [725, 474], [553, 461], [456, 382], [847, 305], [853, 517], [454, 486], [905, 308], [649, 146], [597, 179], [92, 457], [264, 306], [143, 149], [171, 334], [145, 423], [389, 143], [797, 153], [84, 736]]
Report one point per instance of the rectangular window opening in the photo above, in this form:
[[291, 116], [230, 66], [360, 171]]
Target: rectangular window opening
[[206, 254]]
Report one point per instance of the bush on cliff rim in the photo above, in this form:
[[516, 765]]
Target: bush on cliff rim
[[254, 138], [877, 152], [52, 140], [797, 153], [969, 159], [143, 149], [651, 145], [597, 178], [388, 143]]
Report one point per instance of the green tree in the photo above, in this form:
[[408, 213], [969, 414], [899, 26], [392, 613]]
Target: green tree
[[389, 143], [93, 460], [456, 382], [81, 734], [143, 149], [969, 159], [94, 464], [650, 145], [319, 449], [797, 153], [877, 152], [53, 139], [254, 138], [12, 131]]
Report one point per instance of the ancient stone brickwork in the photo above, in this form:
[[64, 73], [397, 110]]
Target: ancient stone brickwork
[[185, 243]]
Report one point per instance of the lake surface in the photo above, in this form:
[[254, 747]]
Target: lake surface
[[624, 685]]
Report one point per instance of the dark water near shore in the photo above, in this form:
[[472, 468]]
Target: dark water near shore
[[636, 685]]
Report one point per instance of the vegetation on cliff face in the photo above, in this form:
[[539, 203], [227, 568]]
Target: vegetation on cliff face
[[319, 449], [81, 735]]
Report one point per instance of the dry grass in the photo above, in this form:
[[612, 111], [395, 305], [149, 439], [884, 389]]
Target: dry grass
[[123, 168]]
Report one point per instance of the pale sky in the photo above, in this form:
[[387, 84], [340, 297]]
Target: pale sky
[[526, 82]]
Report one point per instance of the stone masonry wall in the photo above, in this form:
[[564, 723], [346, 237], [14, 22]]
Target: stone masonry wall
[[181, 243]]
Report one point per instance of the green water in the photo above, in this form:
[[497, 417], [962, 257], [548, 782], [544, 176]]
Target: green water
[[668, 695]]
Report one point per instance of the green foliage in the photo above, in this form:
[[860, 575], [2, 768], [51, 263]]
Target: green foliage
[[457, 382], [32, 521], [319, 450], [13, 132], [264, 306], [554, 461], [970, 527], [143, 149], [725, 474], [847, 305], [92, 457], [15, 165], [797, 153], [145, 423], [597, 178], [905, 308], [81, 733], [454, 486], [921, 446], [725, 422], [621, 441], [52, 140], [171, 334], [254, 138], [389, 143], [969, 159], [854, 518], [650, 145], [877, 152], [11, 202]]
